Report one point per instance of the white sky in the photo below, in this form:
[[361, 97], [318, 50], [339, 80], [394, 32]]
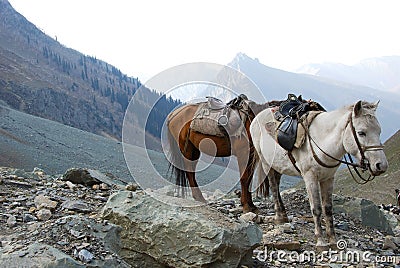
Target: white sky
[[143, 38]]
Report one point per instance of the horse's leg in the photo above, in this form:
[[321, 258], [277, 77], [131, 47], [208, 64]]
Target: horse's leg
[[326, 196], [313, 191], [196, 193], [280, 211], [263, 182], [192, 154], [246, 171]]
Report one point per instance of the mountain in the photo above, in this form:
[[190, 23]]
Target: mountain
[[382, 73], [40, 76], [276, 84]]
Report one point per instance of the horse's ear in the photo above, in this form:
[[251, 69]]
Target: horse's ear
[[358, 108], [376, 104]]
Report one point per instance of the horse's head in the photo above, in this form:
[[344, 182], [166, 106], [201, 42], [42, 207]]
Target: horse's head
[[362, 138]]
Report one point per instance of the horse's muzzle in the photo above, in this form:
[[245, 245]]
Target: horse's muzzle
[[378, 168]]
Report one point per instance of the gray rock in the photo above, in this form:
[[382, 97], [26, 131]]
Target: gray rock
[[158, 234], [85, 256], [343, 226], [363, 210], [38, 171], [132, 187], [248, 217], [391, 218], [44, 214], [80, 176], [389, 243], [70, 185], [12, 221], [42, 201], [108, 233], [38, 255], [28, 217], [287, 228], [76, 205]]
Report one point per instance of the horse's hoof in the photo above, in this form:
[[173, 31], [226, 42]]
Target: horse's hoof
[[247, 209], [322, 246], [281, 220], [333, 246], [255, 210], [200, 199]]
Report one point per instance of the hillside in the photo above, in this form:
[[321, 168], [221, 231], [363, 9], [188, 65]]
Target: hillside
[[28, 141], [382, 189], [276, 84], [40, 76]]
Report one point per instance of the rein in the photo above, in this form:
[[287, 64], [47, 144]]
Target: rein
[[364, 164]]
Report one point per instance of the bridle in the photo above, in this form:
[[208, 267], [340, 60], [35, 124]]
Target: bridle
[[364, 163]]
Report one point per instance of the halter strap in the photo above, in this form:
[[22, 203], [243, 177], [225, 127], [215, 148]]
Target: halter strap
[[364, 164]]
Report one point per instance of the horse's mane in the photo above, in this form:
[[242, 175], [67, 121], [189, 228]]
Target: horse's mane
[[257, 108]]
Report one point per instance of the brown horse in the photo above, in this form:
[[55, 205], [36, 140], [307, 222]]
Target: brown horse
[[186, 146]]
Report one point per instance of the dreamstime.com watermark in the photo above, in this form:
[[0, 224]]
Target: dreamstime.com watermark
[[341, 255]]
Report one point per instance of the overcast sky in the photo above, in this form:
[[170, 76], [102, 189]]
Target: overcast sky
[[143, 38]]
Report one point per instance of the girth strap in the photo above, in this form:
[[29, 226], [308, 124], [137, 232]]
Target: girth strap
[[293, 160]]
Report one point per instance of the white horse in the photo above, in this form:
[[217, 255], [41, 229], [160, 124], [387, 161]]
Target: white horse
[[353, 129]]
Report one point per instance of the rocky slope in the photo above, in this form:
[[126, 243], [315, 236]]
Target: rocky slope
[[59, 221]]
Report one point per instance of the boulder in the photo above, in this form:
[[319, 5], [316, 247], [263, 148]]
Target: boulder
[[363, 210], [160, 231], [90, 177]]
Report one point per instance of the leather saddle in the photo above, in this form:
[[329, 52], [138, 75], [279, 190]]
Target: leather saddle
[[288, 114], [215, 104]]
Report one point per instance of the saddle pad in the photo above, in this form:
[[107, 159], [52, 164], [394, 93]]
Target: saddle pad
[[219, 123], [272, 126]]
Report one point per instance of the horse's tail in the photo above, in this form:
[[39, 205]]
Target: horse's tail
[[263, 181], [176, 161]]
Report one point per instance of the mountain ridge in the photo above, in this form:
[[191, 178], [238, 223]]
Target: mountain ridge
[[381, 72], [275, 84]]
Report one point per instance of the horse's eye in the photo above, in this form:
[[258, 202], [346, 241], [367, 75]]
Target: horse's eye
[[361, 133]]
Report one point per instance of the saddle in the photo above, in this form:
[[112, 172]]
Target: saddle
[[290, 112], [216, 118]]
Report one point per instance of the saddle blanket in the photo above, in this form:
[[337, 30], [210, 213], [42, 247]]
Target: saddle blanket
[[220, 122], [272, 125]]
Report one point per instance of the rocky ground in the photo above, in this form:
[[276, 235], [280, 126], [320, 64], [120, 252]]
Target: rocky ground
[[37, 208], [61, 214], [283, 245]]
